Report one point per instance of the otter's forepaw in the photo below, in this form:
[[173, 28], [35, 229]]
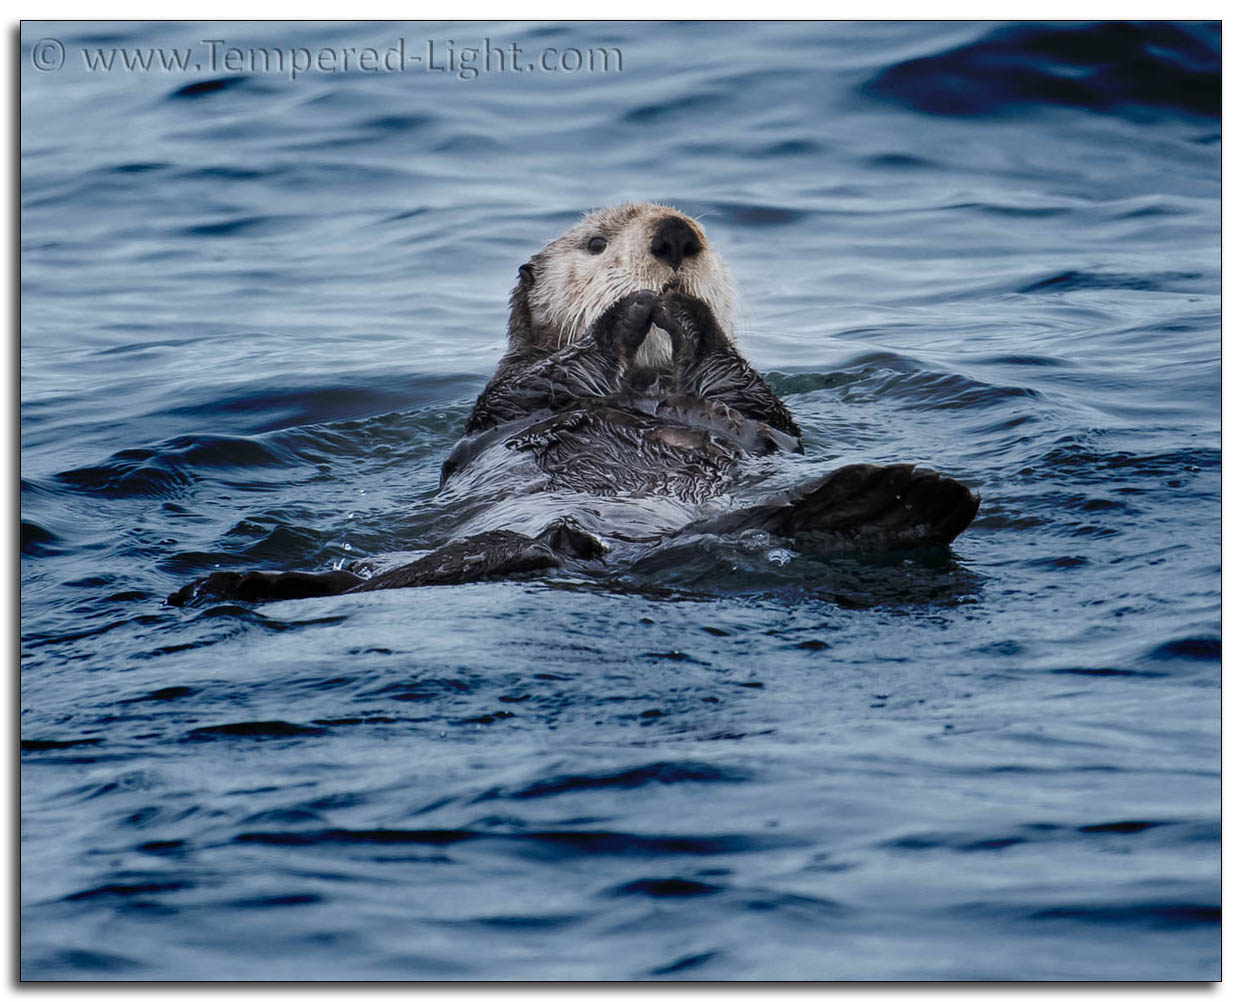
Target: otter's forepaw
[[689, 322], [625, 324]]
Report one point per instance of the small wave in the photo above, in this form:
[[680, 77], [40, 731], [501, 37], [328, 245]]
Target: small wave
[[137, 168], [163, 847], [35, 640], [898, 161], [921, 843], [1045, 832], [164, 695], [255, 729], [945, 390], [1156, 914], [687, 963], [661, 773], [674, 108], [1113, 67], [1188, 648], [667, 887], [1028, 361], [752, 214], [788, 385], [253, 617], [1108, 672], [47, 744], [468, 143], [1120, 827], [37, 541], [1074, 281], [244, 225], [84, 963], [276, 901], [421, 690], [398, 123], [132, 473], [787, 148], [224, 172], [886, 375], [167, 649], [204, 88], [127, 890], [556, 843], [681, 657], [518, 923], [488, 718], [355, 721], [1010, 211], [369, 401], [1090, 466], [172, 468]]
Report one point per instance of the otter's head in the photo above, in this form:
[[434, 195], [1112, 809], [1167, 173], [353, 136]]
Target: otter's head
[[607, 255]]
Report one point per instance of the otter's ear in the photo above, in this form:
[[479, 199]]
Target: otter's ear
[[519, 306]]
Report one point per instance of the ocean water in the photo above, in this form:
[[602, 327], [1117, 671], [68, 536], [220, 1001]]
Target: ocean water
[[255, 313]]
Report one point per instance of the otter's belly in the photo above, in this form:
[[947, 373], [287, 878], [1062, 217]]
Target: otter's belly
[[633, 519], [619, 471]]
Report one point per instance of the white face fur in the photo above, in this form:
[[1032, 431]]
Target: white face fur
[[575, 279]]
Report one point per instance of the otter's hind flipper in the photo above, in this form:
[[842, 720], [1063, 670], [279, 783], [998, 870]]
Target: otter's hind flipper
[[488, 555], [491, 555], [263, 586], [861, 507], [495, 554], [482, 557]]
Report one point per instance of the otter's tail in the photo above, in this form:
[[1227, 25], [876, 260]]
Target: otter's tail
[[488, 555], [860, 507]]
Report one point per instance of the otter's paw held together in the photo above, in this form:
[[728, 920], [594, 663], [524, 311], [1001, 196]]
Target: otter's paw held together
[[689, 322], [624, 325]]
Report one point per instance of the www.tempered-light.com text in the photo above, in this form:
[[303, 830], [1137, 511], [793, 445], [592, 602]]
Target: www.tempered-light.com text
[[430, 56]]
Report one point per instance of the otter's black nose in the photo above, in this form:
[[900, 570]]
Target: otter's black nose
[[674, 241]]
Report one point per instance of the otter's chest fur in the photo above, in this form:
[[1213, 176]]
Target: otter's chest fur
[[651, 459]]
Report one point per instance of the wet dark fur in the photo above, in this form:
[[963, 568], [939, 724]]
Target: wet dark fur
[[586, 421]]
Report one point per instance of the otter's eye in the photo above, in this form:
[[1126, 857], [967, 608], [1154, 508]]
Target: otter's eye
[[596, 245]]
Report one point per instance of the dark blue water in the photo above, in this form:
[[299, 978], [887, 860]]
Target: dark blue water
[[255, 312]]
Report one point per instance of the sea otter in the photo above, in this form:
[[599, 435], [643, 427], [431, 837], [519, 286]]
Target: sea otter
[[621, 416]]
